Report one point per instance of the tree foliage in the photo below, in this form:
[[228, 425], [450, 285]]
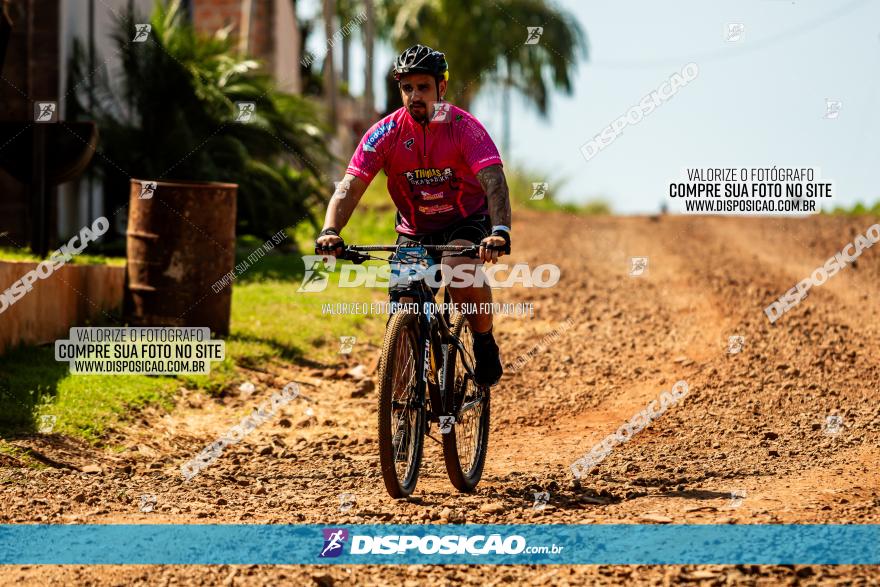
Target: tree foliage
[[482, 39], [170, 113]]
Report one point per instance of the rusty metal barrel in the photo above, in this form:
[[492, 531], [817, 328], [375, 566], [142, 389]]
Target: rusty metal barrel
[[180, 242]]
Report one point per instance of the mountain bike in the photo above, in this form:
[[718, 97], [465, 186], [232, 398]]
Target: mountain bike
[[426, 376]]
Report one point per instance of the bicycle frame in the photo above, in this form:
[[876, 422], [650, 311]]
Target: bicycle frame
[[430, 337], [435, 336], [441, 339], [435, 339]]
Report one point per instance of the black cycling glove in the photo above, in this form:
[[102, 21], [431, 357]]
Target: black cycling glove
[[505, 248], [324, 250]]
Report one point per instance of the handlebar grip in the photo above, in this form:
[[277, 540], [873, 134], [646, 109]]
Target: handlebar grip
[[505, 249]]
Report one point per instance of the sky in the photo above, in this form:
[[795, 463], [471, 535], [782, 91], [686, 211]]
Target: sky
[[756, 102]]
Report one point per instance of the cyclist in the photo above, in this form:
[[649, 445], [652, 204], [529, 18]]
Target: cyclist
[[445, 177]]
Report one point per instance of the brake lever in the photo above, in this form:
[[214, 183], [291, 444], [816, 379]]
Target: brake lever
[[472, 252], [354, 256]]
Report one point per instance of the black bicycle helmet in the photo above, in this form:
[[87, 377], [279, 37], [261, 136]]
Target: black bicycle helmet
[[421, 59]]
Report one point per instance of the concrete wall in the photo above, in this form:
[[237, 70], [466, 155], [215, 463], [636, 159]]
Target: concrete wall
[[71, 296]]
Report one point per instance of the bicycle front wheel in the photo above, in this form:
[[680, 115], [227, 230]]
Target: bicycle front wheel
[[465, 446], [401, 411]]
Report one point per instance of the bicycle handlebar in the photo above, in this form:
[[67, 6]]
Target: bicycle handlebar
[[353, 252], [392, 248]]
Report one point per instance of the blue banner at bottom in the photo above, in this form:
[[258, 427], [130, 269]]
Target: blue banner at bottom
[[626, 544]]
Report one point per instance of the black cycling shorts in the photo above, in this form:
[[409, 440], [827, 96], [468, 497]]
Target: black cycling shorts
[[473, 229]]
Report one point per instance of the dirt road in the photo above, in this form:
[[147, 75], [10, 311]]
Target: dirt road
[[785, 431]]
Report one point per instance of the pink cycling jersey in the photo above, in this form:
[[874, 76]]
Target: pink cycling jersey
[[431, 169]]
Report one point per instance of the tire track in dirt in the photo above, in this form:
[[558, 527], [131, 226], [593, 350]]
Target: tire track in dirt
[[617, 353], [782, 416]]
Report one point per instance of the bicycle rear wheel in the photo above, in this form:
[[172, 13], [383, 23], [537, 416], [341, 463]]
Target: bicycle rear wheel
[[401, 411], [465, 446]]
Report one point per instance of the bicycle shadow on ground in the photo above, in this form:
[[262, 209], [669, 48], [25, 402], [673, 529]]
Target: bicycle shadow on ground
[[54, 450], [565, 499], [698, 494]]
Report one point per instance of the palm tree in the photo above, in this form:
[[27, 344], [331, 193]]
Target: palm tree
[[295, 83], [369, 45], [484, 43], [329, 11], [346, 12]]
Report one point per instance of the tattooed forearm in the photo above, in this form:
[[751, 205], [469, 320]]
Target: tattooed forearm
[[495, 185]]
